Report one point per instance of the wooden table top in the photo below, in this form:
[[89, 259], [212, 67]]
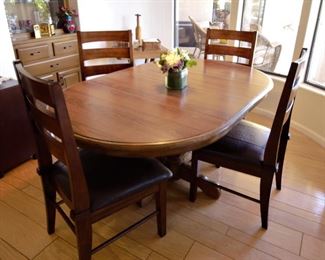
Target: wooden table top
[[131, 113]]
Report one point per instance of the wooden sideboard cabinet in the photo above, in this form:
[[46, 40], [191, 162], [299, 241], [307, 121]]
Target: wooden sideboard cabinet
[[16, 137], [52, 58]]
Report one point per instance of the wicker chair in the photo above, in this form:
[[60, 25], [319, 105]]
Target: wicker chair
[[199, 36], [266, 54]]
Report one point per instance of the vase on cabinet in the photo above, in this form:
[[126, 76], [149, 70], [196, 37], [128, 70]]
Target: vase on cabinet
[[69, 25]]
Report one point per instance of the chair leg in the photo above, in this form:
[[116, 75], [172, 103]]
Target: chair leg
[[194, 51], [161, 202], [265, 192], [84, 235], [281, 155], [193, 182], [49, 197], [278, 176]]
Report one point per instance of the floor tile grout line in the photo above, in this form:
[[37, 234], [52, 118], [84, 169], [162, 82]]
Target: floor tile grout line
[[274, 188], [302, 240], [13, 247], [44, 248], [261, 227], [262, 241], [189, 250], [272, 206], [24, 214], [285, 211]]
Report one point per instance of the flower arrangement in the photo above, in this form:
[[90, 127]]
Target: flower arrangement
[[175, 60], [66, 21], [65, 12]]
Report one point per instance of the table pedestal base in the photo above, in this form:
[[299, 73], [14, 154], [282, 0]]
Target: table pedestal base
[[180, 165]]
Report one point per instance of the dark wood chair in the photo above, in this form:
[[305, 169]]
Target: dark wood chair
[[253, 149], [217, 44], [104, 52], [92, 185]]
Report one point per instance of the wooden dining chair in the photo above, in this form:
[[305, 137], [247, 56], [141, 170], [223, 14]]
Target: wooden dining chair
[[253, 149], [104, 52], [91, 184], [221, 43]]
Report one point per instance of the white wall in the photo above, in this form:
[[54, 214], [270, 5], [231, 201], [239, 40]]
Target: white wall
[[156, 19], [308, 113], [199, 10], [6, 50]]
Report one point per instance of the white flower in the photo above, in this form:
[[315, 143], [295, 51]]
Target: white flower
[[172, 58], [175, 60]]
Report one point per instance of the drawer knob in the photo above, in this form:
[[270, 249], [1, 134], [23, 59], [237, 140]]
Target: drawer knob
[[54, 65], [36, 52]]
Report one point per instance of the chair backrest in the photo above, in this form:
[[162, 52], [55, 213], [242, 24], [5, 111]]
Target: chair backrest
[[199, 34], [281, 123], [217, 44], [104, 52], [53, 133]]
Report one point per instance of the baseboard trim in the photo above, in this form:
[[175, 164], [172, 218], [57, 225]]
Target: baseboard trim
[[301, 128]]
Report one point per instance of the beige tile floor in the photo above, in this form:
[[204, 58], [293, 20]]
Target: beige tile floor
[[227, 228]]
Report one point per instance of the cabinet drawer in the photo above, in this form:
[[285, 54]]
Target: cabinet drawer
[[69, 77], [34, 53], [49, 66], [65, 48]]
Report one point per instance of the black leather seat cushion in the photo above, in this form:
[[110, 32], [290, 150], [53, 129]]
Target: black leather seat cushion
[[110, 179], [244, 143]]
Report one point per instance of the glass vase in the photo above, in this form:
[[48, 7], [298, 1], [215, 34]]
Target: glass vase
[[176, 80], [69, 26]]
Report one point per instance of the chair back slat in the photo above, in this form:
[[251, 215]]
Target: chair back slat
[[118, 53], [56, 147], [217, 44], [122, 36], [230, 50], [281, 122], [46, 120], [104, 45], [103, 69], [41, 94], [53, 132], [245, 36]]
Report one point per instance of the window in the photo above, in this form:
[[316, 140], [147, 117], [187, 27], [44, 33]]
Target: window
[[221, 14], [284, 28], [315, 74], [199, 11], [277, 32]]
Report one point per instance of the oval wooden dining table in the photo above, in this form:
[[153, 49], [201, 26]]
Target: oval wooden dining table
[[131, 112]]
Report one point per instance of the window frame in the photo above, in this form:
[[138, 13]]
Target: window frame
[[312, 49]]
